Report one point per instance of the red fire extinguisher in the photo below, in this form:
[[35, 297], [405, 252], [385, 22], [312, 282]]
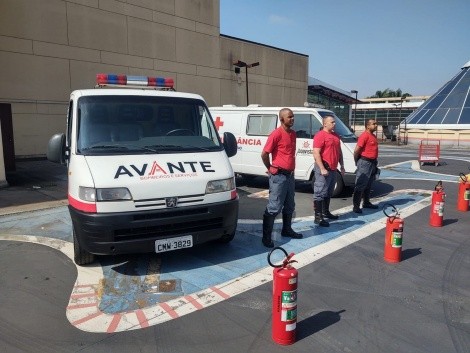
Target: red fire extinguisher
[[463, 197], [284, 312], [436, 218], [393, 235]]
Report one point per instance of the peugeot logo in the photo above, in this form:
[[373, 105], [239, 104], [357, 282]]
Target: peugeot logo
[[171, 202]]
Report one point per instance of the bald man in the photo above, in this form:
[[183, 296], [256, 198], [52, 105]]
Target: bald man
[[281, 146]]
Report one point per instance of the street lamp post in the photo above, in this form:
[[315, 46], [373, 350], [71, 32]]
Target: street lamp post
[[355, 108], [239, 64]]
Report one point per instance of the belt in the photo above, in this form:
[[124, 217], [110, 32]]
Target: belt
[[326, 165], [284, 171], [369, 159]]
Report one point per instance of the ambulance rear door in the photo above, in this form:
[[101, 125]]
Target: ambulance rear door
[[234, 121]]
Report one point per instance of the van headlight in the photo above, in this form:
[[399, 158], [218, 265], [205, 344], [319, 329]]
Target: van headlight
[[108, 194], [215, 186]]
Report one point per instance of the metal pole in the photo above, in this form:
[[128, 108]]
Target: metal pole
[[405, 140], [399, 121], [239, 64], [354, 118]]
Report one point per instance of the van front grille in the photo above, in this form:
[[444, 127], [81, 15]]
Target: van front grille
[[168, 229], [176, 212]]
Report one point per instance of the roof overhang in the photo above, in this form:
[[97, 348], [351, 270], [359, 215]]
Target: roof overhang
[[328, 92]]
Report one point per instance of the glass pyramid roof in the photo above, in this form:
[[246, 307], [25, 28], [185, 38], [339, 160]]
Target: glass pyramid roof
[[448, 108]]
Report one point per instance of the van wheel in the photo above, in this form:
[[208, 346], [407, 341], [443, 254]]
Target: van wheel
[[339, 185], [227, 238], [80, 256]]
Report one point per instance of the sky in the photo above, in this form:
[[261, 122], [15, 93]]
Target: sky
[[364, 45]]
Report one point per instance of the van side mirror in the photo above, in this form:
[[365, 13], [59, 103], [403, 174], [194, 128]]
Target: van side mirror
[[56, 149], [230, 144]]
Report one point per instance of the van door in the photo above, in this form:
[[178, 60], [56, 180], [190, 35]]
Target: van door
[[305, 126]]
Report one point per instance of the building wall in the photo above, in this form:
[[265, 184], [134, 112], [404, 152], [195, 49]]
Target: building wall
[[445, 137], [280, 79], [49, 48]]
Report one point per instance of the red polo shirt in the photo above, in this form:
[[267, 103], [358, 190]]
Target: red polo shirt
[[330, 147], [368, 143], [281, 145]]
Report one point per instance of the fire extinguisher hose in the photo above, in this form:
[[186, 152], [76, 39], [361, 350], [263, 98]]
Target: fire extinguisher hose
[[285, 262], [463, 178], [394, 214]]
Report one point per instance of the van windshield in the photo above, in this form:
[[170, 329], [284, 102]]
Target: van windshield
[[340, 128], [111, 125]]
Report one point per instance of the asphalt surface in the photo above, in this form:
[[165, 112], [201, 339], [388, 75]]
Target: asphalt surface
[[348, 301]]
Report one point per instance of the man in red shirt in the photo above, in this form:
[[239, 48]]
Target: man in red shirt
[[365, 155], [327, 154], [281, 146]]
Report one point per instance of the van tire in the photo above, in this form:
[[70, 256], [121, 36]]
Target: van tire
[[227, 238], [339, 185], [80, 256]]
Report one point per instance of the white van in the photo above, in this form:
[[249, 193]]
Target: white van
[[147, 171], [252, 125]]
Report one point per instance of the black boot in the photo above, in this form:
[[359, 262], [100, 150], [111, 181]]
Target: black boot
[[268, 224], [326, 209], [357, 196], [367, 203], [287, 230], [317, 209]]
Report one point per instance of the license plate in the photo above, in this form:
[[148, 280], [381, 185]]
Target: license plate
[[170, 244]]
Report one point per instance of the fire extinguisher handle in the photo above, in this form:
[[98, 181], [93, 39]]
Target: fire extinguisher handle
[[463, 177], [270, 253], [394, 209]]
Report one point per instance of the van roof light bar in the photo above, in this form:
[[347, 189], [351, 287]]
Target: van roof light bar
[[313, 105], [165, 83]]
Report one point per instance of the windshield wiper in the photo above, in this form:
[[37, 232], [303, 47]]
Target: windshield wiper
[[120, 147], [160, 147], [180, 147], [198, 148]]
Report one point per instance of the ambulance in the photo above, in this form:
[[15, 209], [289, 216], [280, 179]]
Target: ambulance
[[252, 125], [147, 170]]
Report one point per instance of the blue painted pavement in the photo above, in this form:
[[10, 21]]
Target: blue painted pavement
[[405, 171], [203, 267]]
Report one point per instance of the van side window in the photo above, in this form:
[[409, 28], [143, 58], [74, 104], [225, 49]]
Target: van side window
[[302, 126], [261, 124]]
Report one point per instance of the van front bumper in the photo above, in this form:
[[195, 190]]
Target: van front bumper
[[136, 232]]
